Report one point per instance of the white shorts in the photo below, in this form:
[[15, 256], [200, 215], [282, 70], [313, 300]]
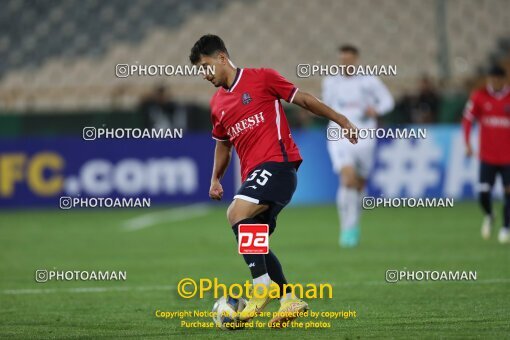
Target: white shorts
[[360, 156]]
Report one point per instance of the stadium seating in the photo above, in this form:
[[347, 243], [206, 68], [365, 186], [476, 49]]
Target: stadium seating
[[64, 57]]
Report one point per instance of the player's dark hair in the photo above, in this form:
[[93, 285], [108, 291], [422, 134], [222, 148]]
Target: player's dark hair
[[496, 71], [348, 48], [207, 45]]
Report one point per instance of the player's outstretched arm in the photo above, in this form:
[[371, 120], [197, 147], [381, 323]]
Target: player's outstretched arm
[[222, 156], [315, 106]]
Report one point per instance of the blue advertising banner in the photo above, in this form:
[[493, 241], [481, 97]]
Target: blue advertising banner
[[38, 171], [435, 166]]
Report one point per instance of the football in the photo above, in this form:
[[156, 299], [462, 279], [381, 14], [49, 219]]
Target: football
[[226, 310]]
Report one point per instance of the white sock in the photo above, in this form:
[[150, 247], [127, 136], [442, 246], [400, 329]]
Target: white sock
[[263, 279], [348, 201], [359, 205]]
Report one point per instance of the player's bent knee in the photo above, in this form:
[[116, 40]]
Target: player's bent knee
[[234, 214], [348, 178], [360, 184], [235, 217], [349, 183], [238, 211]]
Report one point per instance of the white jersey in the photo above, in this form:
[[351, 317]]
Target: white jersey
[[351, 96]]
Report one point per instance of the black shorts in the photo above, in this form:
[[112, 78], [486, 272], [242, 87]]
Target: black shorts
[[271, 183], [488, 173]]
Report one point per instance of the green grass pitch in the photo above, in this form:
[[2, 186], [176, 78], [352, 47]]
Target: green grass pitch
[[157, 257]]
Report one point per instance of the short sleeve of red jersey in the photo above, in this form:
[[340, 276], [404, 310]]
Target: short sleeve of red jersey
[[472, 109], [278, 86], [218, 131]]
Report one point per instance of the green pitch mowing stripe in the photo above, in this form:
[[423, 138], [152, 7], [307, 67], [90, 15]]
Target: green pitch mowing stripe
[[157, 257]]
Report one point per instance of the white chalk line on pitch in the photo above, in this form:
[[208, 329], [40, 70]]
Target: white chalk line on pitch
[[172, 287], [177, 214], [84, 290]]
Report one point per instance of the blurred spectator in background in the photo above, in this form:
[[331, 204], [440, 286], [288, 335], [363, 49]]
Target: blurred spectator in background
[[403, 108], [421, 107], [426, 103], [161, 112]]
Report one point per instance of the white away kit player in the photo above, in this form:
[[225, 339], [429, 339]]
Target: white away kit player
[[361, 98]]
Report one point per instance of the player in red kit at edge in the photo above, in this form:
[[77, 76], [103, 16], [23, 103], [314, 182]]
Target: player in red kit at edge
[[246, 113], [490, 106]]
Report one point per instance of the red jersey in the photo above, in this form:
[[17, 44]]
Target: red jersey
[[492, 110], [250, 115]]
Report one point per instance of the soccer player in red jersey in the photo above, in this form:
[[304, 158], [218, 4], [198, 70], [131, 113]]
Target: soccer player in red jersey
[[246, 113], [490, 106]]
